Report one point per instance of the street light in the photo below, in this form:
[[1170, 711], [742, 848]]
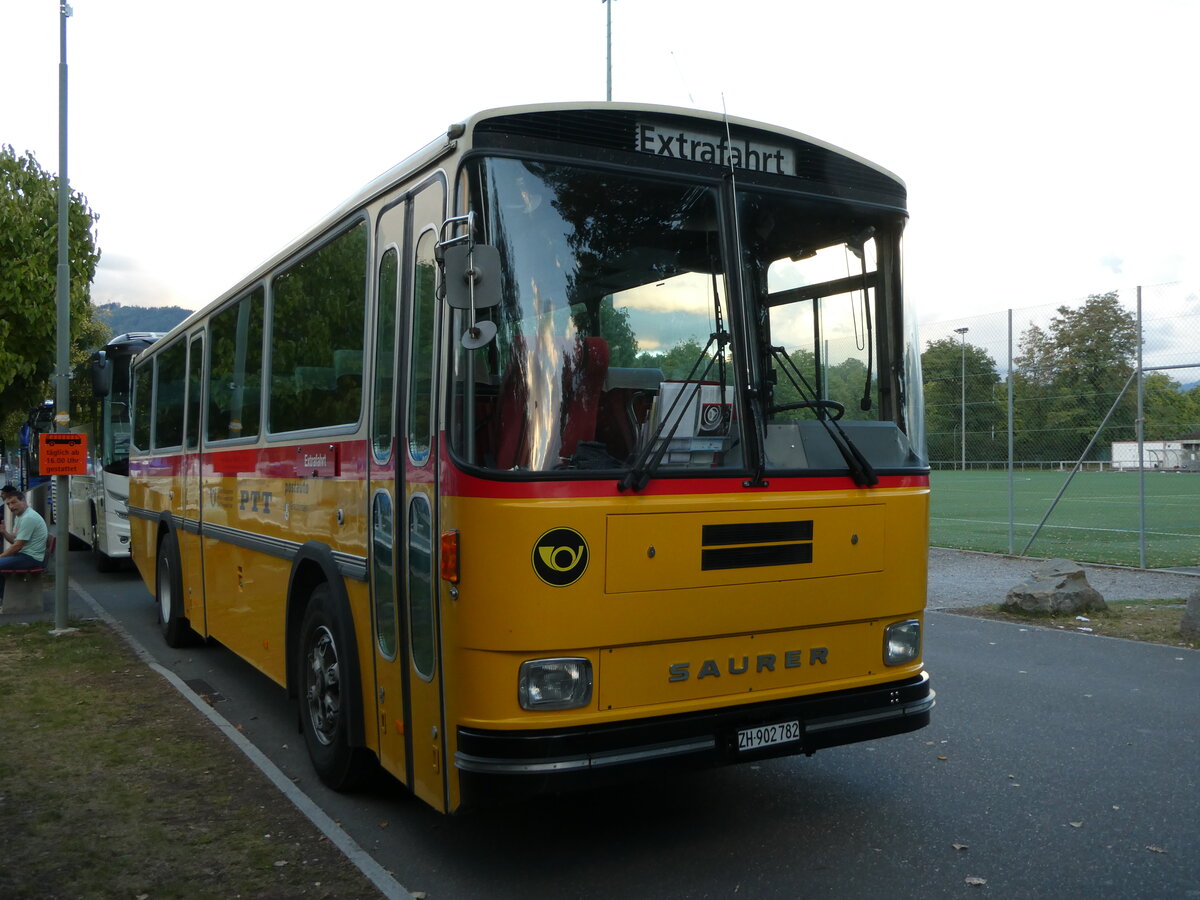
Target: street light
[[963, 333], [608, 68]]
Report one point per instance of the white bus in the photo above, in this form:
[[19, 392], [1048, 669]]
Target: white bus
[[99, 517]]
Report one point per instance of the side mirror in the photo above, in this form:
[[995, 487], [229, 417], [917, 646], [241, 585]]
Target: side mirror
[[472, 276], [101, 374]]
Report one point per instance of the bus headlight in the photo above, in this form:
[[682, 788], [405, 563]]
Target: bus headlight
[[902, 642], [555, 683]]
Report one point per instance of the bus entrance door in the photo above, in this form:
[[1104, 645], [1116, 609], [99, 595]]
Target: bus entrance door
[[416, 517], [403, 499], [387, 556], [192, 501]]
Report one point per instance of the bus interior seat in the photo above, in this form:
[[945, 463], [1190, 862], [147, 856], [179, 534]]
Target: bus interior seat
[[315, 378], [584, 372], [628, 397], [512, 440], [585, 364], [348, 363]]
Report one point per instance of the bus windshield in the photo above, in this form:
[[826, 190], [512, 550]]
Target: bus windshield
[[115, 415], [618, 346]]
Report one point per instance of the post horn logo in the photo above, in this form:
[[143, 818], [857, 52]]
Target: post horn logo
[[560, 556]]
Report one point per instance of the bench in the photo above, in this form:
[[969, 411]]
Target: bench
[[23, 588]]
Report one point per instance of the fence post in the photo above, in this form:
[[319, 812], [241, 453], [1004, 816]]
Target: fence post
[[1012, 510], [1140, 427], [1079, 462]]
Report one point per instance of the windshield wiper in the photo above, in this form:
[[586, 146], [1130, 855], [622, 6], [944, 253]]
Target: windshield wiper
[[650, 456], [860, 467]]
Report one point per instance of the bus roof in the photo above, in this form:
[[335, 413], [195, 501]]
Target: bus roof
[[133, 340], [462, 131]]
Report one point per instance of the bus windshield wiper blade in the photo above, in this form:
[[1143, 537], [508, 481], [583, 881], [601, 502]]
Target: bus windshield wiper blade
[[861, 470], [650, 456]]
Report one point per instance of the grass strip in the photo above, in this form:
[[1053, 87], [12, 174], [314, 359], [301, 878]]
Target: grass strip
[[1153, 621], [110, 786]]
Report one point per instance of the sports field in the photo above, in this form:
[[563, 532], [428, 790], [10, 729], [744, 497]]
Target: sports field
[[1097, 519]]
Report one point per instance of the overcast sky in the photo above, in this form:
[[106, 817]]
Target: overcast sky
[[1049, 147]]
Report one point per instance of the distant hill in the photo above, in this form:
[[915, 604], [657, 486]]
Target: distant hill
[[122, 319]]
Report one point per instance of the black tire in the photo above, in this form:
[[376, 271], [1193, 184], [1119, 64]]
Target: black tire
[[168, 592], [323, 670]]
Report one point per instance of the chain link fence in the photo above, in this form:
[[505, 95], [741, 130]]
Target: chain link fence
[[1069, 430]]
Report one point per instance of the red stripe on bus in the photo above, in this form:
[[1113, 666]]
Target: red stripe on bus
[[460, 484]]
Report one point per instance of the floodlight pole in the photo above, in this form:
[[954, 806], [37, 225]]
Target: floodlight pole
[[962, 332], [62, 395]]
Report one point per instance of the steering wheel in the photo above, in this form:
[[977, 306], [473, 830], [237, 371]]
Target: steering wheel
[[838, 409]]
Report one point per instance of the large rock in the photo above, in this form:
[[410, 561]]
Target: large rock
[[1190, 626], [1057, 586]]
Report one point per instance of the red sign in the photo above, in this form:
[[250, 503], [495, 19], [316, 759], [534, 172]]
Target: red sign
[[317, 461], [62, 454]]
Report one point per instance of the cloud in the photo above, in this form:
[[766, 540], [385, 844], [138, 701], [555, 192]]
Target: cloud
[[125, 280]]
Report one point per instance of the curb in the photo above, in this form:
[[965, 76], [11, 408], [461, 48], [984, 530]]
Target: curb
[[363, 861]]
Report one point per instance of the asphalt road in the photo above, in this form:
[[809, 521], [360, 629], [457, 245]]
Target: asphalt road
[[1057, 765]]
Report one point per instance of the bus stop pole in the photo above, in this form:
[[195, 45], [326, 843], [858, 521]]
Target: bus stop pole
[[62, 397]]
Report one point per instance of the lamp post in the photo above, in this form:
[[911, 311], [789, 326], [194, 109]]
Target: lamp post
[[962, 332], [608, 10], [62, 294]]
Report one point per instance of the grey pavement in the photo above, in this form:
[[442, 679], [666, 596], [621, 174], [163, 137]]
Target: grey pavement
[[77, 607], [960, 578]]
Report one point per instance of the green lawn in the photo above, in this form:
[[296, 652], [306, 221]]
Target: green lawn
[[1097, 519]]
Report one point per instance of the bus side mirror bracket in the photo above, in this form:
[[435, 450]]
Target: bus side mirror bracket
[[472, 276]]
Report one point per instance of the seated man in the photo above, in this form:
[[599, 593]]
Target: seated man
[[28, 547]]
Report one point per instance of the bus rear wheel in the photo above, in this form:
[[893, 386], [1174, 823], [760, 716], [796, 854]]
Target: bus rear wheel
[[324, 710], [168, 592]]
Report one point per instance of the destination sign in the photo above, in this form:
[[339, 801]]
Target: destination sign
[[690, 146]]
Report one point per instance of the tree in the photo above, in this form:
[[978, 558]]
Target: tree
[[1171, 412], [28, 276], [942, 367], [1069, 377]]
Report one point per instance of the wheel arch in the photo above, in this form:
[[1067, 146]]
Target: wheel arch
[[314, 565]]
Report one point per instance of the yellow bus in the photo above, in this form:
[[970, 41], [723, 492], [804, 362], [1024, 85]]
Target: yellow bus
[[586, 441]]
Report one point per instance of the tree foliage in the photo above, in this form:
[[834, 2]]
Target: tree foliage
[[28, 282], [943, 365], [1069, 377], [123, 319], [1066, 378]]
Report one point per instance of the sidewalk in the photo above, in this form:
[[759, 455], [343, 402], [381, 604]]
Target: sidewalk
[[77, 607], [960, 578]]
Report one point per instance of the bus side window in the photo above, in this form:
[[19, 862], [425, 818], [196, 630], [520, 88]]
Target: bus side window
[[143, 383], [420, 373], [195, 374], [318, 308], [383, 429], [169, 378], [235, 361]]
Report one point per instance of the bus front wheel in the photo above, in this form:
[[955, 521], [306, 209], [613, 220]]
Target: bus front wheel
[[324, 710]]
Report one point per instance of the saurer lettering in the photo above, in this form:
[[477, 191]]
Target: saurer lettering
[[764, 662]]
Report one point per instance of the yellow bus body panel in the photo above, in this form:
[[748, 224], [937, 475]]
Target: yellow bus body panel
[[635, 615]]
